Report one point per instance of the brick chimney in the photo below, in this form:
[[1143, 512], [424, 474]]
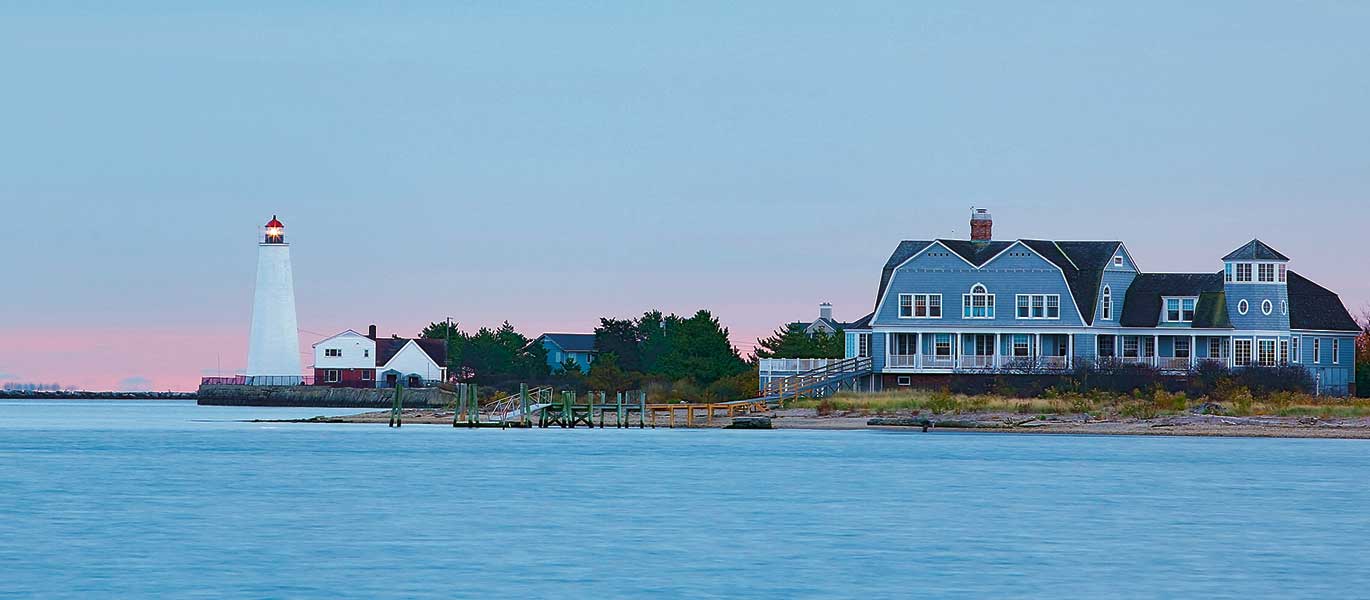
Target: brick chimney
[[371, 332], [825, 311], [981, 226]]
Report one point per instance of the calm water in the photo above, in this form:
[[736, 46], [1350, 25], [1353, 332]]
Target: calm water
[[167, 499]]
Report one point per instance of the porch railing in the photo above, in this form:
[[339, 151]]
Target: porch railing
[[903, 360], [1172, 363]]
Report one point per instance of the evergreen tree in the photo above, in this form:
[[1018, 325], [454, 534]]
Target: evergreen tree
[[621, 338], [698, 348]]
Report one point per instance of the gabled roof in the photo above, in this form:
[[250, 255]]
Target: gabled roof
[[338, 335], [837, 325], [1312, 306], [862, 323], [1255, 250], [976, 253], [572, 342], [1082, 263], [1142, 307], [387, 348]]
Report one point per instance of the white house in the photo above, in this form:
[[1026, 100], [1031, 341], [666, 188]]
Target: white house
[[350, 359], [347, 359]]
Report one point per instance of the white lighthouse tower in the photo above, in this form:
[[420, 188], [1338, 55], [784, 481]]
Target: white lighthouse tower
[[273, 351]]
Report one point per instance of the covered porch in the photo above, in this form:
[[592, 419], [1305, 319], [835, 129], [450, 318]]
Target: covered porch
[[957, 351], [1167, 352]]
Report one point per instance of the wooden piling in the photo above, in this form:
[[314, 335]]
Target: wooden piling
[[397, 408]]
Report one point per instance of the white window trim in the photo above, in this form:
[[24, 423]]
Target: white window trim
[[1165, 308], [967, 303], [1279, 273], [1175, 347], [1336, 351], [1295, 346], [1317, 350], [913, 306], [1106, 307], [1243, 306], [904, 380], [1250, 351], [1045, 307], [1274, 351], [1260, 272], [1117, 260], [332, 376], [1267, 307]]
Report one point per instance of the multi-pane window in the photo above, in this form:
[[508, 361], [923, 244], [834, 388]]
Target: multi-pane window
[[1227, 273], [1284, 352], [978, 304], [1181, 347], [1130, 346], [333, 352], [863, 344], [1284, 273], [1266, 273], [1294, 349], [1217, 348], [1241, 352], [920, 306], [331, 376], [1266, 353], [1020, 345], [1179, 310], [941, 344], [1336, 351], [1039, 306], [366, 374], [1317, 350], [1243, 272], [1106, 312]]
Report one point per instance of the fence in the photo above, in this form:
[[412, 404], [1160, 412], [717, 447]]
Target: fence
[[263, 380]]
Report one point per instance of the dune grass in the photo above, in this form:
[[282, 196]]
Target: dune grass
[[1232, 401]]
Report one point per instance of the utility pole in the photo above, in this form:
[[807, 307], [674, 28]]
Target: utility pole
[[448, 348]]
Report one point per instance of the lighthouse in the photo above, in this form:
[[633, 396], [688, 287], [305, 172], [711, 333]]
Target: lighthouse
[[273, 351]]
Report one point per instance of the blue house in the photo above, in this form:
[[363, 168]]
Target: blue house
[[984, 305], [579, 347]]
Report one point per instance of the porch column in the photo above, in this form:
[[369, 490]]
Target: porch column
[[956, 350], [1037, 347], [995, 353], [1156, 350], [1070, 351], [1193, 350], [917, 349]]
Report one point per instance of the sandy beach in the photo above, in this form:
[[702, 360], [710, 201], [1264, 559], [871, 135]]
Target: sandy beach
[[993, 422]]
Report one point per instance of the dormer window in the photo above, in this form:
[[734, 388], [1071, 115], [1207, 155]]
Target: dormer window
[[978, 304], [1106, 309], [1118, 261], [1180, 310], [1266, 273]]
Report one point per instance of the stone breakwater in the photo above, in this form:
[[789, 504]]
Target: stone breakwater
[[314, 396], [87, 395]]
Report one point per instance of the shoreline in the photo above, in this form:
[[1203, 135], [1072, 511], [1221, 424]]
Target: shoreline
[[991, 423]]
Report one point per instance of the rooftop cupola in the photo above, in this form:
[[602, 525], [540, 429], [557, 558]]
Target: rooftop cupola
[[1255, 262], [275, 231], [981, 225]]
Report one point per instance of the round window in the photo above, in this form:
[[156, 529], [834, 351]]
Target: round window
[[1267, 307], [1242, 307], [1284, 307]]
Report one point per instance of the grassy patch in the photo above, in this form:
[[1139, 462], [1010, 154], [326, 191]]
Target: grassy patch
[[1229, 400]]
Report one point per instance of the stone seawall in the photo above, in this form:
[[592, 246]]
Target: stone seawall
[[315, 396]]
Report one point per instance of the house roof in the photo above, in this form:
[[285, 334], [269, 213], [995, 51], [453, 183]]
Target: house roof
[[337, 335], [836, 325], [1142, 306], [1312, 306], [1082, 263], [387, 348], [862, 323], [571, 342], [1255, 250]]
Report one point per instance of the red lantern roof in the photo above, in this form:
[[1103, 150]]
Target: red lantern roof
[[274, 223]]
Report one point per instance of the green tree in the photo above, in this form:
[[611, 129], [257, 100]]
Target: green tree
[[698, 348], [791, 341], [456, 343], [605, 374], [622, 338]]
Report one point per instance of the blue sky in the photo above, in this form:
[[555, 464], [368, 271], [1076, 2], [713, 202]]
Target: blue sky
[[550, 163]]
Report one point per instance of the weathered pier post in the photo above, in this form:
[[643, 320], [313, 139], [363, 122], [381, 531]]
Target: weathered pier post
[[397, 408], [523, 404]]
